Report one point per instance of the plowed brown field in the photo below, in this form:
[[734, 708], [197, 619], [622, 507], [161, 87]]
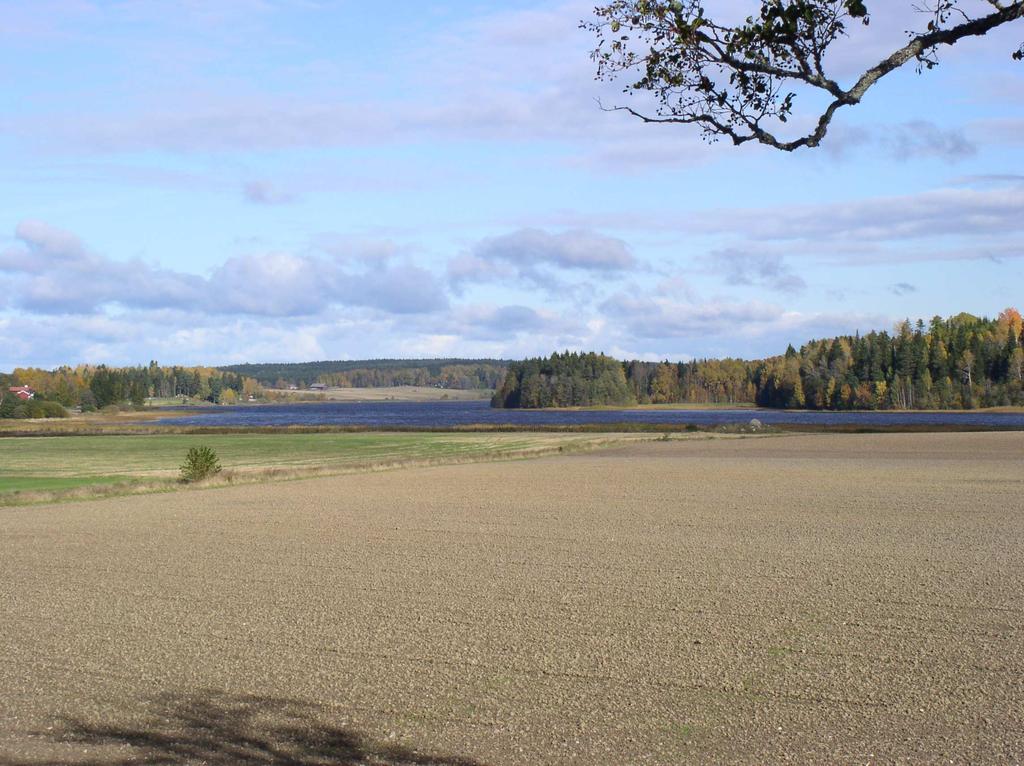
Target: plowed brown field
[[812, 599]]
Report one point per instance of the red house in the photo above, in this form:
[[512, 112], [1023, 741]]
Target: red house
[[22, 392]]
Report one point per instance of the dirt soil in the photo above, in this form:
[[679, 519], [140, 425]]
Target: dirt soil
[[812, 599]]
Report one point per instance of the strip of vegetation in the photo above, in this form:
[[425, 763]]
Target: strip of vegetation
[[78, 429], [11, 407], [91, 388], [963, 362], [42, 470], [378, 373]]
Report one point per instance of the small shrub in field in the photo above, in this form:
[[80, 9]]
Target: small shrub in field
[[51, 410], [200, 463]]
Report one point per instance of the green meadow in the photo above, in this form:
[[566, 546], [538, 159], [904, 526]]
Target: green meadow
[[44, 467]]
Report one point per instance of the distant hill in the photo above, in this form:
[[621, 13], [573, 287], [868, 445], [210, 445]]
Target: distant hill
[[369, 373]]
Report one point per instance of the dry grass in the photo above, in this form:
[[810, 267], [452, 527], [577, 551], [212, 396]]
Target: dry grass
[[810, 599], [90, 423], [86, 467]]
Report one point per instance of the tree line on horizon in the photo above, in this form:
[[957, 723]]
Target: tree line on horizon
[[95, 387], [962, 362], [378, 373]]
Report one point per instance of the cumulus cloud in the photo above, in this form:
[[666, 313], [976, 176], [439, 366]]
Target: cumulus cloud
[[903, 288], [578, 249], [171, 336], [959, 211], [920, 138], [504, 322], [985, 209], [49, 242], [176, 336], [519, 74], [59, 275], [747, 328], [276, 284], [403, 289], [655, 317], [508, 75], [916, 139], [740, 267], [347, 248], [533, 256], [977, 217]]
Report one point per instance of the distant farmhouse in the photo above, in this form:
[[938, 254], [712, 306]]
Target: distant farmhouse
[[318, 387], [22, 392]]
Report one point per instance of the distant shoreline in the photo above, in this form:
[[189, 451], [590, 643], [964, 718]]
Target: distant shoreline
[[182, 418], [384, 394], [758, 408]]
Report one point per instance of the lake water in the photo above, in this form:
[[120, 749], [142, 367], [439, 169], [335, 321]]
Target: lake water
[[448, 414]]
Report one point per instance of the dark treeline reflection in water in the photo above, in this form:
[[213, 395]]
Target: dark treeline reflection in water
[[451, 414]]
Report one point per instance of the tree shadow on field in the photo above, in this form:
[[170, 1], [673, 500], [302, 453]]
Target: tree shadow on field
[[221, 729]]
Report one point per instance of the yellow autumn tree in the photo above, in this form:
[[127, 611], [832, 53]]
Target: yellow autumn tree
[[665, 386]]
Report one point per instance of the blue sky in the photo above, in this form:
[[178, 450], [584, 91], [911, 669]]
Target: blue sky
[[256, 180]]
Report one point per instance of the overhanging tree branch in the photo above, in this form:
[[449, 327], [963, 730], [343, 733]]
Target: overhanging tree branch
[[733, 81]]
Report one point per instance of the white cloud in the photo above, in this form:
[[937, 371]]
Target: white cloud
[[541, 259], [740, 267], [722, 328], [55, 274], [511, 322], [656, 317], [941, 211], [912, 140], [984, 215]]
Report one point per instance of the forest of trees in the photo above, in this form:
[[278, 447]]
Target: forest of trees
[[92, 388], [962, 362], [95, 387], [958, 363], [564, 380], [375, 373]]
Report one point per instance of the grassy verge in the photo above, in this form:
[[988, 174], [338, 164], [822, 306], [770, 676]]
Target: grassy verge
[[896, 428], [114, 427], [668, 406], [123, 426], [31, 484], [37, 469]]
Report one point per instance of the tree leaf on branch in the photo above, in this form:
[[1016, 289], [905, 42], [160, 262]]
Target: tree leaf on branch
[[736, 80]]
